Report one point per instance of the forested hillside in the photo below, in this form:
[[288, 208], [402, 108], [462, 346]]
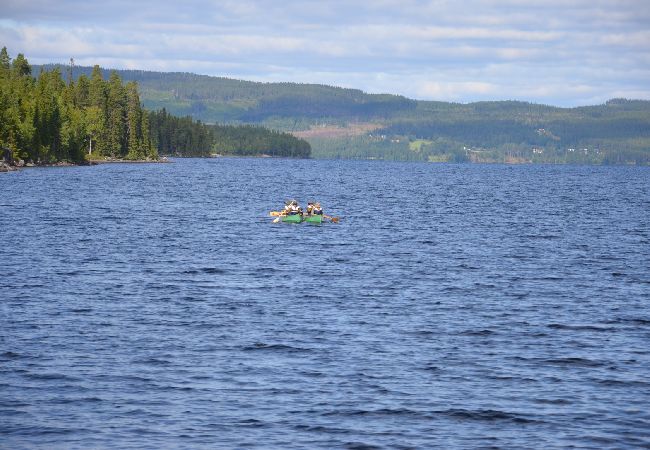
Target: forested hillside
[[224, 100], [183, 136], [48, 116], [616, 132], [46, 120], [347, 123]]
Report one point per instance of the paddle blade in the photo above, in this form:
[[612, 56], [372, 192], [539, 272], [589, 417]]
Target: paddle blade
[[275, 213], [334, 219]]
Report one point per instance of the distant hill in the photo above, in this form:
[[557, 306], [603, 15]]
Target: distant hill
[[224, 100], [348, 123]]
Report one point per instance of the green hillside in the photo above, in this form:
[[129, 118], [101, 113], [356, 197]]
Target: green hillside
[[48, 120], [348, 123], [224, 100]]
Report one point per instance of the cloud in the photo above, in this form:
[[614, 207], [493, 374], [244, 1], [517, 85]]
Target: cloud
[[453, 90], [563, 52]]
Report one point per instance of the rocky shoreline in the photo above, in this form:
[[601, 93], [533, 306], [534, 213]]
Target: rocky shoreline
[[13, 166], [4, 167]]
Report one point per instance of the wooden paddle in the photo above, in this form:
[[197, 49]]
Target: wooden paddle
[[277, 213]]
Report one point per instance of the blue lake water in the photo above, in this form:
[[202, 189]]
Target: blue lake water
[[453, 306]]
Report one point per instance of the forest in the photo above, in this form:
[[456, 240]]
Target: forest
[[183, 136], [46, 119], [615, 132], [230, 101]]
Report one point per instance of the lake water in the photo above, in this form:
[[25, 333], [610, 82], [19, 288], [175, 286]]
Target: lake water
[[453, 306]]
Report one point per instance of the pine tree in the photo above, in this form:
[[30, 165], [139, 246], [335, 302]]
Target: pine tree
[[148, 150], [94, 125], [97, 114], [47, 119], [82, 92], [97, 89], [73, 133], [20, 66], [7, 121], [116, 125], [134, 120], [5, 64]]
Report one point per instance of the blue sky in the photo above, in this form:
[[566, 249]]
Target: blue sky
[[559, 52]]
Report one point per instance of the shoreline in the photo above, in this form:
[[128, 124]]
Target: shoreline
[[6, 167], [162, 160]]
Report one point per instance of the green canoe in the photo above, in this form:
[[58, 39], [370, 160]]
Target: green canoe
[[313, 219], [296, 218]]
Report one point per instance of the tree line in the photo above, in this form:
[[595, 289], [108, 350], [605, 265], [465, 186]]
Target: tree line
[[45, 119], [183, 136], [224, 100], [617, 132]]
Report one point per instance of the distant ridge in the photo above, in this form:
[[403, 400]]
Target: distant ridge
[[219, 99], [349, 123], [185, 93]]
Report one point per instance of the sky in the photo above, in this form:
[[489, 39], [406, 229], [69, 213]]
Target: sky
[[557, 52]]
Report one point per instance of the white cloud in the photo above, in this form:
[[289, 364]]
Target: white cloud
[[554, 51], [454, 90]]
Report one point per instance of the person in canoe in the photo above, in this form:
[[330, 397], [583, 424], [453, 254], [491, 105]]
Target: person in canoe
[[292, 208], [317, 210], [310, 208]]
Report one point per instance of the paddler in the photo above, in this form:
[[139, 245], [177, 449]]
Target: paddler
[[310, 208], [318, 211], [287, 208], [294, 208]]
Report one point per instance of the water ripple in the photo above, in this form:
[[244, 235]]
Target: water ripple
[[453, 306]]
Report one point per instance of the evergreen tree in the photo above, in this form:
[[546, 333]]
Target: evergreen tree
[[94, 124], [116, 130], [97, 89], [82, 92], [20, 66], [74, 133], [47, 120], [134, 122], [149, 150], [5, 63], [97, 112]]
